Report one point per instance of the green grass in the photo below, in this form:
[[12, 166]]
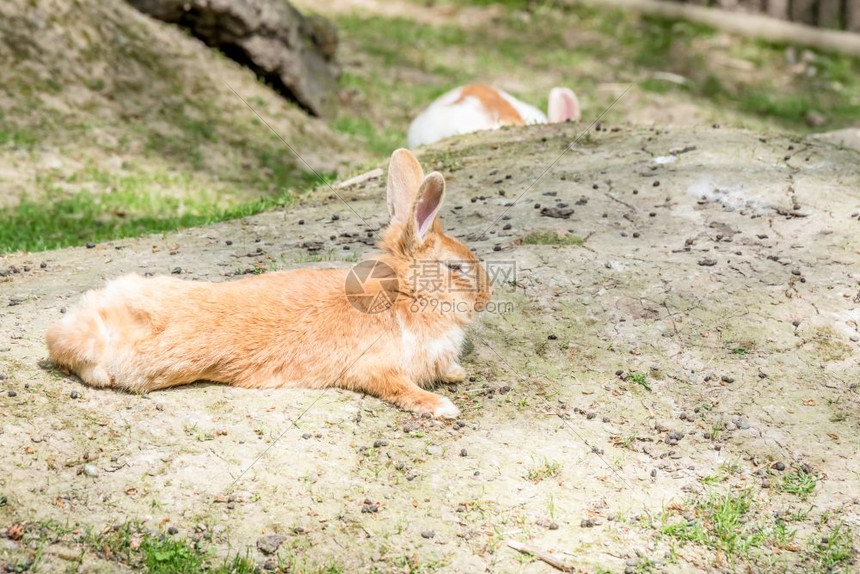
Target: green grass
[[832, 551], [642, 44], [551, 238], [543, 470], [163, 555], [734, 524], [722, 521], [132, 545], [640, 379], [799, 482], [124, 206]]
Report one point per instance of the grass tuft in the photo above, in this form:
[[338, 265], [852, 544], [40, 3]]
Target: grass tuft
[[551, 238], [544, 470], [722, 521]]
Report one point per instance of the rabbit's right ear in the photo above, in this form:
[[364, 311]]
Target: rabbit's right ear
[[563, 106], [404, 179]]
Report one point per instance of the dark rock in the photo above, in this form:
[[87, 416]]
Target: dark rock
[[556, 212], [270, 544], [291, 52]]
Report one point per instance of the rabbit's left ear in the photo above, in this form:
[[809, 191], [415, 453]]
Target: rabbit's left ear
[[404, 179], [429, 202], [563, 105]]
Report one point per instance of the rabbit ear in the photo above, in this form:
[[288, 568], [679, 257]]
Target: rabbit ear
[[430, 198], [404, 179], [563, 105]]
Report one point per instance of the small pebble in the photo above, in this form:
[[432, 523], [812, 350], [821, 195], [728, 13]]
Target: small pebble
[[552, 337], [780, 466], [173, 530], [91, 470], [379, 443], [656, 183], [74, 394], [427, 534], [464, 452], [12, 394], [269, 544], [497, 248], [90, 245], [727, 379], [335, 217]]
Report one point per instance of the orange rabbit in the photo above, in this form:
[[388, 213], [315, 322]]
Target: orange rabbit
[[382, 328]]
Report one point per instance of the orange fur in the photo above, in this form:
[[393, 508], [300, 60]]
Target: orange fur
[[293, 328], [493, 102]]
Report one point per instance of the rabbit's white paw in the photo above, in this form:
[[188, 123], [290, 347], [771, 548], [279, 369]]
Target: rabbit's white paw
[[446, 409]]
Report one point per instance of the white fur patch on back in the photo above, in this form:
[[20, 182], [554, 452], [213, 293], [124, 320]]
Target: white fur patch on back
[[529, 113], [445, 119]]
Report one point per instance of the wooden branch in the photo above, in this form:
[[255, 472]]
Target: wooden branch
[[372, 174], [750, 25], [541, 555]]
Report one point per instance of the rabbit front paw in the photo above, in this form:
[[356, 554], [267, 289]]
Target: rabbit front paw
[[446, 409], [455, 374]]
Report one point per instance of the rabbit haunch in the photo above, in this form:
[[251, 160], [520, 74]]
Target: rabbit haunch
[[477, 107], [293, 328]]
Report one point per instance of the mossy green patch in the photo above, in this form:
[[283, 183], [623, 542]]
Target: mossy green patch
[[552, 238]]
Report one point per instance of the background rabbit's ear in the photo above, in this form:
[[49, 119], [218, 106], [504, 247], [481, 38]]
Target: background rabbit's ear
[[404, 179], [430, 198], [563, 105]]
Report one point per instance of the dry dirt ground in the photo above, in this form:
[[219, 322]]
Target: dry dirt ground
[[668, 383]]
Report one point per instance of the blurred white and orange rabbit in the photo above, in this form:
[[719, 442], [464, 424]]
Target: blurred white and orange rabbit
[[385, 330], [479, 107]]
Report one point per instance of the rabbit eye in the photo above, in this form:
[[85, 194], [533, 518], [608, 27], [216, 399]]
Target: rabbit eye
[[454, 266]]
